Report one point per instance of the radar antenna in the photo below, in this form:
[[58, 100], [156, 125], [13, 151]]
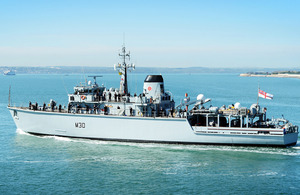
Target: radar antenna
[[95, 76], [122, 69]]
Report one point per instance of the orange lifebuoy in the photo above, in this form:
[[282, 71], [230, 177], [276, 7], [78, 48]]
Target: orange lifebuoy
[[83, 97]]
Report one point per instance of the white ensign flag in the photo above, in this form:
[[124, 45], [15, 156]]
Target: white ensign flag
[[265, 95]]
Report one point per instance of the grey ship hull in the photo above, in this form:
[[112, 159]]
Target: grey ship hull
[[142, 129]]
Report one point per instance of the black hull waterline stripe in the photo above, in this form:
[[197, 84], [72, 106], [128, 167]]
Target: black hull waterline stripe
[[166, 142]]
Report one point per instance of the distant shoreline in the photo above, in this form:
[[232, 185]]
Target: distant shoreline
[[263, 72], [271, 75], [103, 70]]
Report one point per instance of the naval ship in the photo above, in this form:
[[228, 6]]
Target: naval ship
[[97, 112]]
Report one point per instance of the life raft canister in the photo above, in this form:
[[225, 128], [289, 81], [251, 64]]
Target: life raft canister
[[83, 97]]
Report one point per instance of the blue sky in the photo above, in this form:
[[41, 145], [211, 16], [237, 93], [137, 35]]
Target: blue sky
[[217, 34]]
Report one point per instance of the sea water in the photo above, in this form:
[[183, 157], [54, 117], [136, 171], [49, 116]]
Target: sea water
[[53, 165]]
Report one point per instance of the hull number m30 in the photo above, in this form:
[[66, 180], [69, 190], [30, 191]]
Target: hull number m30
[[80, 125]]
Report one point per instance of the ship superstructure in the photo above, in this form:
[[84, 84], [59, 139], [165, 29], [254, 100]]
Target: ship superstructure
[[97, 112], [95, 99]]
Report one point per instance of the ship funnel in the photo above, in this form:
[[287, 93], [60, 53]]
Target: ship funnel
[[154, 86]]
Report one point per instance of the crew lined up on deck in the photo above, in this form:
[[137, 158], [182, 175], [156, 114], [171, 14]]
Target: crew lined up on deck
[[86, 109]]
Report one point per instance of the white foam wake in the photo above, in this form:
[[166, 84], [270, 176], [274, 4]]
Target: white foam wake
[[63, 138], [21, 132], [293, 151]]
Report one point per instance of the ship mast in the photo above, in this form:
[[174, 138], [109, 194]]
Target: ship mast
[[122, 69]]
